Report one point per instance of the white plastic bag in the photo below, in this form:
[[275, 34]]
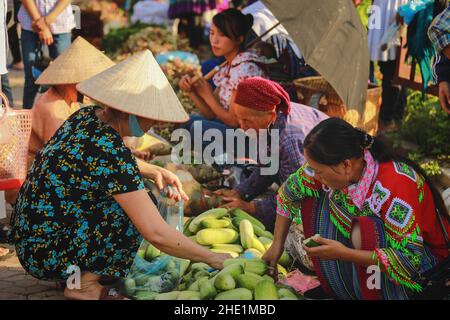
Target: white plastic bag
[[153, 271], [391, 37]]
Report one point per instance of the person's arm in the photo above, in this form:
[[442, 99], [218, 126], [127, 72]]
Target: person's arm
[[241, 196], [202, 106], [296, 188], [226, 116], [162, 177], [60, 6], [185, 85], [31, 9], [38, 22], [444, 95], [273, 254], [290, 195], [204, 91], [335, 250], [144, 215], [442, 71], [282, 225], [254, 185], [360, 257]]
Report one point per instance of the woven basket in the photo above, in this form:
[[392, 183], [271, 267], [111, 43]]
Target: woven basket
[[15, 132], [318, 93]]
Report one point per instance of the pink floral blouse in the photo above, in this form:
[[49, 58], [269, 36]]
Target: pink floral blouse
[[244, 66]]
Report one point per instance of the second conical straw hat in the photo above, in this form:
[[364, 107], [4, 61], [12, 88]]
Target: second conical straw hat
[[77, 63], [136, 86]]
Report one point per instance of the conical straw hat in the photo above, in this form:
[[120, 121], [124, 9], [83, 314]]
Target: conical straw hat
[[77, 63], [136, 86]]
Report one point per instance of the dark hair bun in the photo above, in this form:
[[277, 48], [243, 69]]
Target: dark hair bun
[[249, 19]]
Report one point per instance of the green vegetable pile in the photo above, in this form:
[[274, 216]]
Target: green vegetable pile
[[243, 277]]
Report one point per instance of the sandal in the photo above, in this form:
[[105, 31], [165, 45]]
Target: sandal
[[111, 294], [4, 233]]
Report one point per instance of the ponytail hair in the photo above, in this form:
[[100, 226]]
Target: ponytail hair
[[335, 140]]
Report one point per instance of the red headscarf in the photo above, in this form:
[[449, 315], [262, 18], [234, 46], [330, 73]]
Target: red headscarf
[[263, 95]]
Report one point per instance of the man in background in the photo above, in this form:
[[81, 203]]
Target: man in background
[[439, 34]]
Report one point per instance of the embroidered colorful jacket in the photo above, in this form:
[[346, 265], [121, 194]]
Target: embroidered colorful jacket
[[397, 195]]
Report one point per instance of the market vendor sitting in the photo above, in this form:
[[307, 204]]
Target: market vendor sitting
[[228, 32], [60, 101], [83, 203], [264, 104]]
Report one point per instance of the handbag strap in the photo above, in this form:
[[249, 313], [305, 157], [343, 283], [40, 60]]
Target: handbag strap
[[5, 101], [38, 53], [39, 49]]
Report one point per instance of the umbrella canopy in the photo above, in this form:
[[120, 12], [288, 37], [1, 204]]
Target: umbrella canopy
[[332, 40]]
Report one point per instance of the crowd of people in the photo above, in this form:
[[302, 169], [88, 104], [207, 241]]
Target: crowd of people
[[84, 202]]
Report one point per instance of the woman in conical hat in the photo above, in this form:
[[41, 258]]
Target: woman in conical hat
[[79, 62], [84, 203]]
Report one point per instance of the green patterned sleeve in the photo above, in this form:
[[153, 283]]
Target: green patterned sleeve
[[297, 187]]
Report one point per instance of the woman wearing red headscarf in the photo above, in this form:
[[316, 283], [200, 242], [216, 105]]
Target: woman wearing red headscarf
[[263, 104]]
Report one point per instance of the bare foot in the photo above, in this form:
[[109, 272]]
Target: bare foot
[[90, 289], [92, 292], [5, 253]]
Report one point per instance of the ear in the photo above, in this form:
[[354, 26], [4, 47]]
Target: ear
[[274, 115], [348, 166], [240, 40]]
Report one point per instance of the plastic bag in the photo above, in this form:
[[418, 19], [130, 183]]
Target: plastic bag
[[183, 56], [409, 10], [153, 271], [391, 37], [300, 282]]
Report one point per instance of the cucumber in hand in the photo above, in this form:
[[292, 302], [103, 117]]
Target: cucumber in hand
[[310, 242]]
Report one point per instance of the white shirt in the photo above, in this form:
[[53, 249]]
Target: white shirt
[[64, 23], [3, 37], [383, 16], [263, 20]]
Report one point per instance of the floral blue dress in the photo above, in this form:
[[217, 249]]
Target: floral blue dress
[[66, 215]]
